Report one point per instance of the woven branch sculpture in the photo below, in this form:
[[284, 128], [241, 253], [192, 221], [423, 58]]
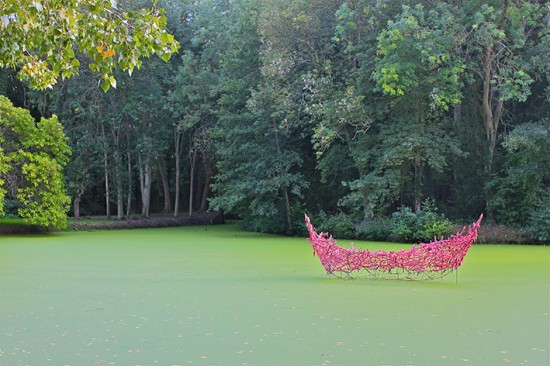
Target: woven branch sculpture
[[421, 262]]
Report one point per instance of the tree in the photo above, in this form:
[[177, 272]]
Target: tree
[[46, 40], [194, 93], [405, 155], [350, 107], [258, 168], [192, 102], [149, 129], [416, 55], [500, 33], [454, 51], [523, 186], [450, 45], [87, 158], [49, 40], [32, 157]]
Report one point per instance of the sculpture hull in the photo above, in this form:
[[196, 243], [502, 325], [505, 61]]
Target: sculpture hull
[[423, 261]]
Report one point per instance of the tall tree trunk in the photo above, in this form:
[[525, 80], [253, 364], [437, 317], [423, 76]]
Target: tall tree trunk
[[492, 109], [78, 197], [76, 207], [147, 192], [145, 185], [178, 140], [118, 182], [161, 162], [129, 199], [193, 160], [106, 167], [107, 190], [141, 180], [206, 189]]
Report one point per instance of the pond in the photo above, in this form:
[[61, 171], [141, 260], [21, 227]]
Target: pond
[[219, 296]]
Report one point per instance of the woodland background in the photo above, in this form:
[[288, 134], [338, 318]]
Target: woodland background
[[352, 111]]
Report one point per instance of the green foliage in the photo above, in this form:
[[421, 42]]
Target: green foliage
[[11, 206], [339, 225], [404, 224], [259, 168], [4, 169], [539, 224], [32, 158], [423, 226], [402, 153], [376, 229], [274, 224], [353, 106], [339, 109], [255, 177], [45, 39], [522, 187], [433, 225], [416, 50], [43, 197]]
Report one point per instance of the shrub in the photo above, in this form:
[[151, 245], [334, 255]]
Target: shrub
[[339, 225], [432, 226], [265, 224], [403, 225], [424, 226], [539, 228], [495, 234], [10, 207], [375, 229]]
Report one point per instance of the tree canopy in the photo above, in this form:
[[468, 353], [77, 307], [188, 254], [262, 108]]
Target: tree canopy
[[32, 158], [349, 110], [46, 40]]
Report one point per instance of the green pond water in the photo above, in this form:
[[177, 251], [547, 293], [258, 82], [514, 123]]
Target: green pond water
[[219, 296]]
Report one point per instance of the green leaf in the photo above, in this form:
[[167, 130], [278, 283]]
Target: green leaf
[[57, 28], [106, 85]]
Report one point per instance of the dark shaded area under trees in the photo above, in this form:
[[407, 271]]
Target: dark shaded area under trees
[[347, 110]]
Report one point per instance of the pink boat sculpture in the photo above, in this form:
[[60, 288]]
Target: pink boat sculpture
[[425, 261]]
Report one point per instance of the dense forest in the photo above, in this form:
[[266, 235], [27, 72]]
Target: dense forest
[[348, 110]]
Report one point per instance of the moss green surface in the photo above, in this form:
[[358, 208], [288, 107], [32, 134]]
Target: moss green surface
[[216, 295]]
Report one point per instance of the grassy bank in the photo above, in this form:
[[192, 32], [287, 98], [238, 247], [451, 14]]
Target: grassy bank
[[217, 295]]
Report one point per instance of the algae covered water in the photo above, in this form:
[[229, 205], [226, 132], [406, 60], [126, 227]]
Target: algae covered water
[[220, 296]]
